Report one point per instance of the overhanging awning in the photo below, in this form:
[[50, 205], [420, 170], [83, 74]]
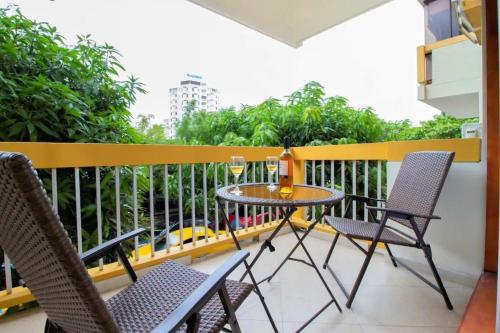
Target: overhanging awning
[[290, 21]]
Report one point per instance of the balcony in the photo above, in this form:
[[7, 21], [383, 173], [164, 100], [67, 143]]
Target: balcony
[[449, 76], [154, 175]]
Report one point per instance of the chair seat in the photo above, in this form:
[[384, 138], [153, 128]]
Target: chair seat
[[147, 302], [365, 230]]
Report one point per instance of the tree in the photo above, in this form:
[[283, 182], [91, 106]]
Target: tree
[[309, 118], [50, 91], [54, 92], [441, 127], [149, 132], [306, 116]]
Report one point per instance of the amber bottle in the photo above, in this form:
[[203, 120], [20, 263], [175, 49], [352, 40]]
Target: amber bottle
[[286, 168]]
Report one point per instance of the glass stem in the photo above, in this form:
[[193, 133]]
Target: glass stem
[[236, 181]]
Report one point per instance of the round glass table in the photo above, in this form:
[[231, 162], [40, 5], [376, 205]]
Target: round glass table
[[257, 194], [302, 195]]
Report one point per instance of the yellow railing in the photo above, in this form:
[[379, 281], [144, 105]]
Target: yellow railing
[[55, 155], [466, 150], [73, 155]]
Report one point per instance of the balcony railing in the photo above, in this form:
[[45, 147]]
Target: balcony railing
[[424, 57], [123, 176]]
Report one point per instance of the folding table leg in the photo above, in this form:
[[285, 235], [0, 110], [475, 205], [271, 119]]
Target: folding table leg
[[314, 264], [247, 266], [267, 243]]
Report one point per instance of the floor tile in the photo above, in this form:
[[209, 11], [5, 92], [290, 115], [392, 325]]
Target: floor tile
[[406, 329], [289, 327], [408, 306], [258, 326], [252, 308], [389, 299], [32, 320]]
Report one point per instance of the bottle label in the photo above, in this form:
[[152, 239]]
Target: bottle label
[[283, 168]]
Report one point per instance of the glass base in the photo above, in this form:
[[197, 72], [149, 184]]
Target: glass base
[[272, 187], [236, 191]]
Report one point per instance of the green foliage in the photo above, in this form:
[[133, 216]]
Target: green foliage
[[150, 133], [441, 127], [50, 91], [307, 116], [54, 92]]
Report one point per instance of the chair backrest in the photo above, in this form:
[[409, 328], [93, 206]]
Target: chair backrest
[[419, 183], [33, 237]]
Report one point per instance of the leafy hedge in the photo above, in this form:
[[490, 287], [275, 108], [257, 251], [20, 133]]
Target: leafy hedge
[[309, 117]]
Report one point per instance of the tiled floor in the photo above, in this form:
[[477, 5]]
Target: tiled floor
[[389, 299]]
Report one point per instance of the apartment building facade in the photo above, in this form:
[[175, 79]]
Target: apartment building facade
[[192, 90]]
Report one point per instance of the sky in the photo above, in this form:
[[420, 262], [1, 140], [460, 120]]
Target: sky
[[370, 60]]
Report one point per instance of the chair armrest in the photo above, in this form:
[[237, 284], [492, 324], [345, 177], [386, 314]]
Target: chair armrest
[[402, 213], [201, 295], [100, 251], [363, 198]]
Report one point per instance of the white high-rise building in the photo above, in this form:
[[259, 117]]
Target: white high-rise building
[[192, 89]]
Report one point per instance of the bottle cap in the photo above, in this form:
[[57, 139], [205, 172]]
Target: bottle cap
[[287, 142]]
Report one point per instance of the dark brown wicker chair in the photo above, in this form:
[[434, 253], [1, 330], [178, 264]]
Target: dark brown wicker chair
[[410, 204], [170, 298]]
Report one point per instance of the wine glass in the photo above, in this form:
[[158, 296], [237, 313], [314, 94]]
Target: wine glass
[[272, 166], [237, 165]]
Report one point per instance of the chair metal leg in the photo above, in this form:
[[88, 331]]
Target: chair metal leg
[[126, 263], [51, 327], [428, 256], [390, 255], [335, 239], [369, 255], [193, 323], [229, 309], [361, 274]]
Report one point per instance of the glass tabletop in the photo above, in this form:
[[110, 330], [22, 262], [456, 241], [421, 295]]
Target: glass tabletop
[[302, 195]]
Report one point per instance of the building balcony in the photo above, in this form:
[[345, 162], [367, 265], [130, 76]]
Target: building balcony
[[390, 299], [449, 76]]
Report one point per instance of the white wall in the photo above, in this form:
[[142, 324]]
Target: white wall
[[457, 240]]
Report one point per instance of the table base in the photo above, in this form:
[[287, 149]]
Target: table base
[[287, 214]]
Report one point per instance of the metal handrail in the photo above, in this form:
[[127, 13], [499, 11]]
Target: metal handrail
[[464, 25]]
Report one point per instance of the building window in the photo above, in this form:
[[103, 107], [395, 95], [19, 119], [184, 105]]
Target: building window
[[440, 20]]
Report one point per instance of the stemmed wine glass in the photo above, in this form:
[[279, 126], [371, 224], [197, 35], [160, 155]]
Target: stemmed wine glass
[[237, 165], [272, 166]]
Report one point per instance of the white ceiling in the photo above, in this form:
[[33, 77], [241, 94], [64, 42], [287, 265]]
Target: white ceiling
[[290, 21]]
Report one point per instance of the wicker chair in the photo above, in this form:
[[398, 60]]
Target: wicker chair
[[410, 204], [170, 298]]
